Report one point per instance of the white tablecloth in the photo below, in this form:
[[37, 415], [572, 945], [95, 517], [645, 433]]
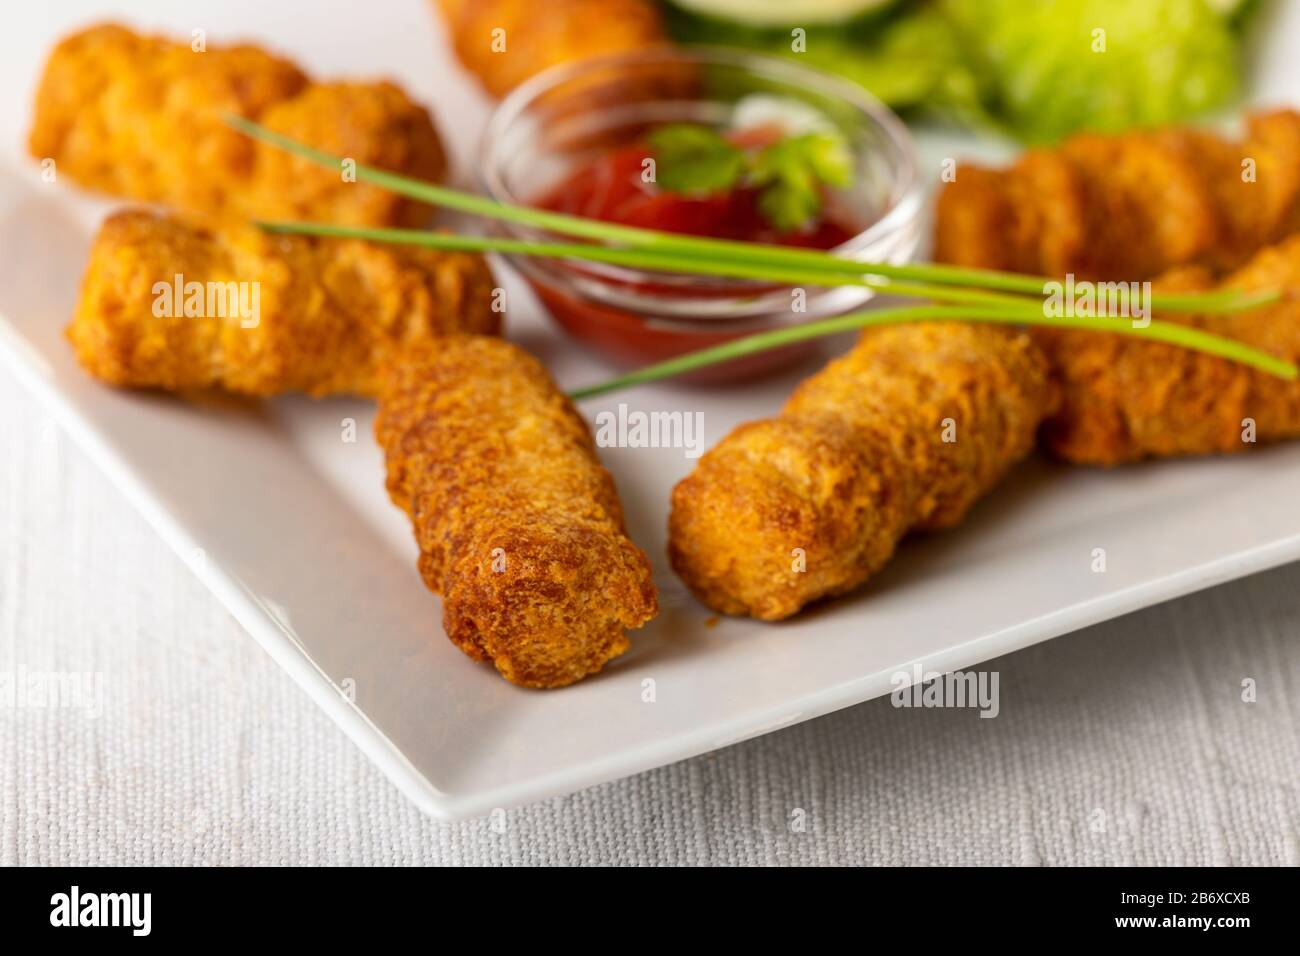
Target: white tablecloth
[[1125, 743]]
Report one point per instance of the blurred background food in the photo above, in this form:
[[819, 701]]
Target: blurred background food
[[1034, 71], [504, 42]]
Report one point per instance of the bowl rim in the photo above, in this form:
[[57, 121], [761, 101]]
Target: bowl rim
[[905, 193]]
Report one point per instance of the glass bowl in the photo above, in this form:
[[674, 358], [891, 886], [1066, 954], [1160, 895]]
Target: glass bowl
[[569, 115]]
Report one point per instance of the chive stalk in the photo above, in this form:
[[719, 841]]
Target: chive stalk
[[1167, 332], [982, 296], [694, 249]]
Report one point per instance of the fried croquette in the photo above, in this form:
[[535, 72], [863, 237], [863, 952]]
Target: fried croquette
[[504, 42], [178, 304], [1181, 204], [141, 116], [904, 432], [1129, 206], [519, 527], [1124, 399]]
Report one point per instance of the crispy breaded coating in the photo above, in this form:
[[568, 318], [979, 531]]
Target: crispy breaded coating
[[1124, 399], [904, 432], [263, 314], [1027, 223], [539, 36], [519, 527], [1129, 206], [1182, 202], [1145, 207], [141, 116]]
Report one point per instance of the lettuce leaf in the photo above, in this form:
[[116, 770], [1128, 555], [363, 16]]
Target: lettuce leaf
[[1059, 66], [899, 59], [1027, 68]]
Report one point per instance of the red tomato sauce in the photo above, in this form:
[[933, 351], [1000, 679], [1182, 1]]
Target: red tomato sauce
[[611, 188]]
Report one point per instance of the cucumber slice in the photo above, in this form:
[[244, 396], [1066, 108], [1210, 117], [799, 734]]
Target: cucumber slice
[[779, 13]]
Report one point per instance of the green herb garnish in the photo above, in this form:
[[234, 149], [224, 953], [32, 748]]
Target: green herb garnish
[[974, 295], [788, 174], [1183, 336], [695, 159]]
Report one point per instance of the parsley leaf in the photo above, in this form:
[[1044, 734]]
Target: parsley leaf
[[695, 159], [828, 156], [789, 174]]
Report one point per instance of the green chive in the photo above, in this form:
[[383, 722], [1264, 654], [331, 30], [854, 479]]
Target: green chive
[[672, 252], [662, 261], [1168, 332], [635, 258], [745, 254]]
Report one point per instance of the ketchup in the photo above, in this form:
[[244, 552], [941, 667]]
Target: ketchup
[[610, 188]]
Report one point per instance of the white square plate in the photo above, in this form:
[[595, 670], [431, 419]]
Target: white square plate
[[290, 527]]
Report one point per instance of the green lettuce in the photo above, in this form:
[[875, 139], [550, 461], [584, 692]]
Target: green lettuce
[[1032, 69], [1059, 66], [900, 59]]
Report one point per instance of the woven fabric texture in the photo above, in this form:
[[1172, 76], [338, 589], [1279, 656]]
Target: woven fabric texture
[[1127, 743]]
